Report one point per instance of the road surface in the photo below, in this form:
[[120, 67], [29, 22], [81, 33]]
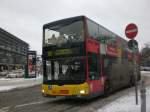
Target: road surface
[[31, 100]]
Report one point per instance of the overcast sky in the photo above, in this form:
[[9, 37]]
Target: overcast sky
[[25, 18]]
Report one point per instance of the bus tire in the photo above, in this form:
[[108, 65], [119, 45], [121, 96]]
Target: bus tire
[[106, 88]]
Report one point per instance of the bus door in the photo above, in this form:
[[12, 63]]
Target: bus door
[[94, 69]]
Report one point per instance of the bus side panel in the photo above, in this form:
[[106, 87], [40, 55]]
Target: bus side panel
[[92, 46], [96, 86]]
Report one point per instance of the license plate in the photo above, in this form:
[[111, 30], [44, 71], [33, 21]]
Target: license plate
[[64, 91]]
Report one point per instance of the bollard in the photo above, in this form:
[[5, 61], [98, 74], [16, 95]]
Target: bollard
[[143, 97], [136, 85]]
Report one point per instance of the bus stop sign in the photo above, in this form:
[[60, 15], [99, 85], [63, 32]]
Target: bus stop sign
[[131, 31]]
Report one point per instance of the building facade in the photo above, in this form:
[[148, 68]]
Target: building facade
[[13, 51]]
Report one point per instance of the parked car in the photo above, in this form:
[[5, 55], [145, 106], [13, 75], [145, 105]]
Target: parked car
[[145, 68], [3, 73], [16, 74]]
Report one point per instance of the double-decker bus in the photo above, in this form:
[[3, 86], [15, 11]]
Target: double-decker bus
[[83, 59]]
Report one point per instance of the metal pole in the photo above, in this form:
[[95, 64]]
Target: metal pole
[[135, 75], [143, 97], [136, 87]]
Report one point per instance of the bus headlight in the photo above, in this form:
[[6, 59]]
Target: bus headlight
[[43, 91], [82, 91]]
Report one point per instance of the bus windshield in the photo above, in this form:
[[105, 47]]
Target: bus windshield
[[65, 69], [63, 32]]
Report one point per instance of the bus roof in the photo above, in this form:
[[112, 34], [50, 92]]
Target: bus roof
[[71, 19], [77, 18]]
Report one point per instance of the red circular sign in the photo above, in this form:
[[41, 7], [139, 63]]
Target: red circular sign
[[131, 31]]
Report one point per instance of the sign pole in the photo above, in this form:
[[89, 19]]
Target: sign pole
[[131, 32], [135, 74]]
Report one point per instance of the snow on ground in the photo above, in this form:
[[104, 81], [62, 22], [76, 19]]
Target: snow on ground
[[7, 84], [127, 103], [147, 72]]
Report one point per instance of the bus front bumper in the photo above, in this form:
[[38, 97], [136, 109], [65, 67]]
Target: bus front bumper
[[74, 90]]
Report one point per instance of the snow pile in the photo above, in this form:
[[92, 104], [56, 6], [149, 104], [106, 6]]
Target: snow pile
[[126, 104], [6, 88], [7, 84], [147, 72]]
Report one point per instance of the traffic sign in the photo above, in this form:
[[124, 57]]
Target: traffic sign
[[132, 44], [131, 31]]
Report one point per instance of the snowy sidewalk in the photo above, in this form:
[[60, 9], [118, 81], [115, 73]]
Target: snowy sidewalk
[[7, 84], [127, 103]]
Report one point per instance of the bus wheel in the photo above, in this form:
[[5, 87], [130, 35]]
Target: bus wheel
[[106, 88]]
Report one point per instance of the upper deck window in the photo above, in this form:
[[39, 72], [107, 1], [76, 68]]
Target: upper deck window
[[63, 32], [92, 29]]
